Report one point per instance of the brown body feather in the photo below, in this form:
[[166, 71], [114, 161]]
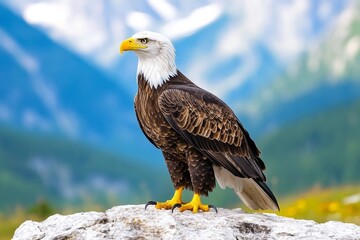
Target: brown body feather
[[195, 130], [186, 165]]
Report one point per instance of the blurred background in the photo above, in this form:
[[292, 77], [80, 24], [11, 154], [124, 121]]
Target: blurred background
[[69, 139]]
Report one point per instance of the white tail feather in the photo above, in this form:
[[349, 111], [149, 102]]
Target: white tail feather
[[250, 193]]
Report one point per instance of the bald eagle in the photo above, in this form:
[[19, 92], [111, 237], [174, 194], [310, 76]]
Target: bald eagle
[[200, 137]]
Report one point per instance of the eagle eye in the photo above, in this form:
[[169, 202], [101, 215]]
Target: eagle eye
[[144, 40]]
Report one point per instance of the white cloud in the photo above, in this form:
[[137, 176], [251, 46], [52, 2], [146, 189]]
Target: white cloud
[[196, 20], [248, 24], [290, 34], [163, 8], [77, 23], [139, 21], [251, 17], [49, 14]]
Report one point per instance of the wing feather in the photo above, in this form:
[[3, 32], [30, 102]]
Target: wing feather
[[211, 126]]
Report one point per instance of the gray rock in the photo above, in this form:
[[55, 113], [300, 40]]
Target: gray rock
[[133, 222]]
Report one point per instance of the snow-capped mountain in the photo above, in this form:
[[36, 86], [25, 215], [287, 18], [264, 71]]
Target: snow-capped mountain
[[327, 74], [228, 47]]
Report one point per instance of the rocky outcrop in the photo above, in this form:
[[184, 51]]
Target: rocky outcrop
[[133, 222]]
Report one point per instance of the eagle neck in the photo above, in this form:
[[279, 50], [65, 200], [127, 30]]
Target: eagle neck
[[157, 70]]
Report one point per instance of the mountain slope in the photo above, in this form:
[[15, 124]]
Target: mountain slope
[[67, 173], [324, 76], [46, 87]]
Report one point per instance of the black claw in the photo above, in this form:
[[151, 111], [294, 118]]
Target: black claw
[[213, 207], [150, 203], [176, 205]]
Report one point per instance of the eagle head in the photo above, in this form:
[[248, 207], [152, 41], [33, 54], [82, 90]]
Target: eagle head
[[156, 56]]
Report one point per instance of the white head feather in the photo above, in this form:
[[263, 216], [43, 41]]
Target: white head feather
[[157, 60]]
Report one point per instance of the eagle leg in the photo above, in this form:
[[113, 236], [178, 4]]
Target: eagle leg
[[194, 205], [176, 199]]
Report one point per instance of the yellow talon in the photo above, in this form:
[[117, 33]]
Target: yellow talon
[[176, 202], [176, 199], [195, 205]]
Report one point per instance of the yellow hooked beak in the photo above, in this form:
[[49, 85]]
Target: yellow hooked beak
[[131, 44]]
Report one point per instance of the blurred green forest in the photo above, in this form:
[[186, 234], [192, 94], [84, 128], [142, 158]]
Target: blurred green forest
[[66, 173], [321, 150]]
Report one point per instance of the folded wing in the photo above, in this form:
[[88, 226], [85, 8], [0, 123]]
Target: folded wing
[[211, 126]]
